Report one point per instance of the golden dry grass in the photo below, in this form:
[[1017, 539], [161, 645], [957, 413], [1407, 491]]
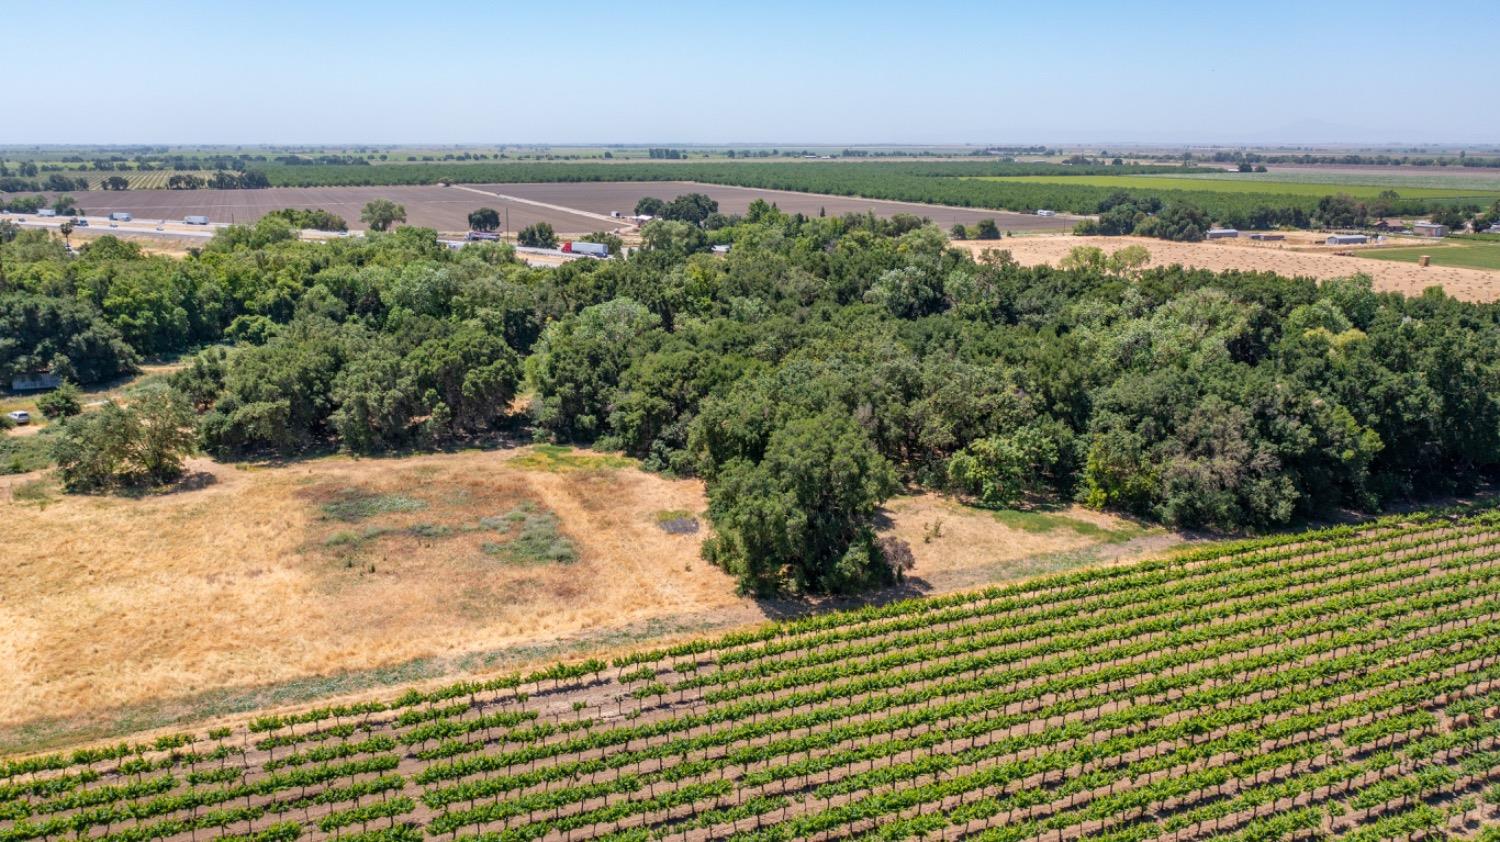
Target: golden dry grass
[[112, 601], [243, 578], [1296, 258]]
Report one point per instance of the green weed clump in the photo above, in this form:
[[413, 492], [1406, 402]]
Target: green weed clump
[[535, 537]]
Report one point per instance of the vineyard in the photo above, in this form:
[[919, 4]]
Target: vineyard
[[150, 180], [1336, 684]]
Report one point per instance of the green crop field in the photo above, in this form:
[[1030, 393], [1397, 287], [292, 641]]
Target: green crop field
[[1466, 181], [1270, 188], [1475, 255], [1342, 684]]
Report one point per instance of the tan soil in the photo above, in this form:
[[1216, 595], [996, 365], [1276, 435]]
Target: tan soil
[[239, 579], [1292, 259]]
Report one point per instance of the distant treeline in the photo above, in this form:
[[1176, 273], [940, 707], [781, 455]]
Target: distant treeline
[[1460, 160], [751, 174]]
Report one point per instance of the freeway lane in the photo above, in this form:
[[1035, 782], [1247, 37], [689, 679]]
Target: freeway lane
[[103, 224]]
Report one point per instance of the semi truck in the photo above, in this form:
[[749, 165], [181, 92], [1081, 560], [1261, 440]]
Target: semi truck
[[586, 249], [195, 220], [121, 216]]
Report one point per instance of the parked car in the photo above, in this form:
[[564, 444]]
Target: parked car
[[20, 416]]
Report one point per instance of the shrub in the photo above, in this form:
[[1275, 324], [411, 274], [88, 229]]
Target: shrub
[[119, 446], [62, 402]]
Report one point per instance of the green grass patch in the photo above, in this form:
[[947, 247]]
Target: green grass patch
[[23, 454], [535, 537], [1043, 522], [559, 459], [1254, 186], [353, 505], [1471, 255]]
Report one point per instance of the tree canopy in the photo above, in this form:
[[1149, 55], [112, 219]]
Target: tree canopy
[[805, 374], [381, 214]]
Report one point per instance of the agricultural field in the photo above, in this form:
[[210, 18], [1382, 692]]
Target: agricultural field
[[1246, 183], [151, 180], [1342, 683], [572, 207], [435, 207], [606, 196], [1000, 185], [1400, 180], [1476, 254]]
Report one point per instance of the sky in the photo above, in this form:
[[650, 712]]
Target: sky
[[773, 72]]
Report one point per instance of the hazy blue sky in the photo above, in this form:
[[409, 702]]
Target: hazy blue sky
[[327, 71]]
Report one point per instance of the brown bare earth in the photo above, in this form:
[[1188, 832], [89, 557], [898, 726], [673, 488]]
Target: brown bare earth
[[1389, 276], [447, 208], [256, 586], [607, 196], [442, 208]]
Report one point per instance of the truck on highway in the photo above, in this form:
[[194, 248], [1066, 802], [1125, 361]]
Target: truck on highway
[[195, 220], [46, 212], [121, 216], [586, 249], [476, 236]]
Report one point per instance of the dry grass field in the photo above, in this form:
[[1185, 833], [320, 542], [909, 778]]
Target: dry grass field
[[1292, 260], [255, 586]]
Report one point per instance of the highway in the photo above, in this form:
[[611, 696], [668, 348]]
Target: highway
[[135, 227]]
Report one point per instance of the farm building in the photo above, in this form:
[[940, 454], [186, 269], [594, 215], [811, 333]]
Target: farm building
[[34, 381], [1268, 237], [1346, 239], [1222, 233], [1389, 225], [1429, 229]]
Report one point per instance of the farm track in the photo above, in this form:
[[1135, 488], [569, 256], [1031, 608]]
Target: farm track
[[1339, 683]]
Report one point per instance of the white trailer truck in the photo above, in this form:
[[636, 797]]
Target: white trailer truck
[[586, 249]]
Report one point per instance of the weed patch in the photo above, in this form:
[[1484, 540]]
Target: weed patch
[[534, 537], [558, 459], [1043, 522], [353, 505], [38, 491], [677, 522]]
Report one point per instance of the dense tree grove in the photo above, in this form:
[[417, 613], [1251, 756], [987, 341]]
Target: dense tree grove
[[805, 375]]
